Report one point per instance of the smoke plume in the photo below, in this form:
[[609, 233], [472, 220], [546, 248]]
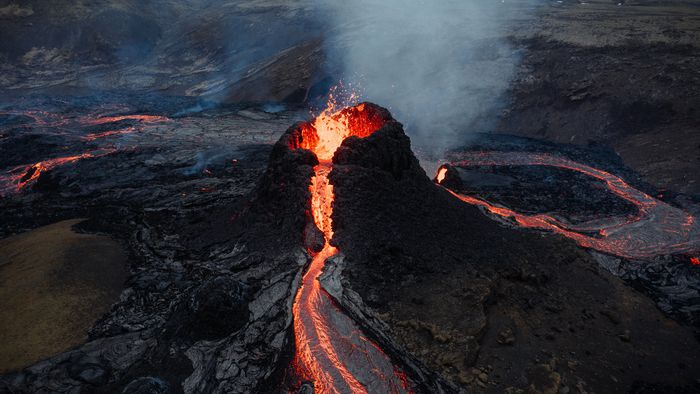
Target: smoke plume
[[442, 67]]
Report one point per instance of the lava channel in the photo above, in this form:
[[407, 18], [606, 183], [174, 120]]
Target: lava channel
[[657, 229], [331, 350]]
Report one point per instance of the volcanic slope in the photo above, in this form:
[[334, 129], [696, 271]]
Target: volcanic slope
[[487, 306]]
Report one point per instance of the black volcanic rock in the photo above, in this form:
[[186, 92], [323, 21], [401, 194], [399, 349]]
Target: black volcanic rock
[[451, 180], [208, 304], [448, 280], [218, 308], [387, 149], [147, 385]]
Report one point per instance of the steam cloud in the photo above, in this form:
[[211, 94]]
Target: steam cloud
[[442, 67]]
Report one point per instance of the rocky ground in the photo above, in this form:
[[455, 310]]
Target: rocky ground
[[621, 75], [490, 308], [179, 208], [233, 51], [212, 214]]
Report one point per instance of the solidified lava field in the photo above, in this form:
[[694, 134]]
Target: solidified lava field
[[331, 259], [194, 200]]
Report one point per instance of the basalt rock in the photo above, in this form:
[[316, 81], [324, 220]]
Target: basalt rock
[[387, 150], [208, 304], [405, 238], [207, 307], [218, 308]]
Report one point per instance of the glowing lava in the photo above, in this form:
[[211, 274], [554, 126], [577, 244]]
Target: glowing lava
[[16, 178], [119, 118], [657, 229], [19, 177], [50, 120], [332, 352], [442, 172]]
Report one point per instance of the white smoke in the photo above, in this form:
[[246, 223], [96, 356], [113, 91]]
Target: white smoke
[[442, 66]]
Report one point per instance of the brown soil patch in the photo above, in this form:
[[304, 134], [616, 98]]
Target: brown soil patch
[[54, 283]]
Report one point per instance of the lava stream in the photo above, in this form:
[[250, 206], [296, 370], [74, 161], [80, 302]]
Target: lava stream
[[332, 351], [109, 133], [118, 118], [19, 177], [657, 229], [51, 120]]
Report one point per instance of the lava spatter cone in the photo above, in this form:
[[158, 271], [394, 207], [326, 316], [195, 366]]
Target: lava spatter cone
[[448, 177], [331, 351]]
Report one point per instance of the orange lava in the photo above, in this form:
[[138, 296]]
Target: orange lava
[[657, 229], [109, 133], [325, 134], [111, 119], [21, 176], [329, 347], [441, 174], [57, 120]]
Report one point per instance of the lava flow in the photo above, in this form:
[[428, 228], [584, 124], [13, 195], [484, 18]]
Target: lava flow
[[16, 178], [331, 350], [657, 229], [119, 118], [19, 177], [109, 133]]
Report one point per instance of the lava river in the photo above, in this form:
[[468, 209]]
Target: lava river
[[658, 228], [331, 351]]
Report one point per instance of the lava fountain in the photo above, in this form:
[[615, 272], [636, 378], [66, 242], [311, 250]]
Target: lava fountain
[[331, 351], [658, 228]]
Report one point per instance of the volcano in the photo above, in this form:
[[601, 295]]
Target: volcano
[[330, 262]]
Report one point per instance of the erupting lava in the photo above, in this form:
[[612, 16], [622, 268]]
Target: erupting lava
[[331, 351], [657, 229]]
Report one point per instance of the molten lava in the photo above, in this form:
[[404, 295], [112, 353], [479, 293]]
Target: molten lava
[[109, 133], [50, 120], [332, 352], [657, 229], [442, 172], [16, 178], [112, 119], [21, 176], [325, 134]]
